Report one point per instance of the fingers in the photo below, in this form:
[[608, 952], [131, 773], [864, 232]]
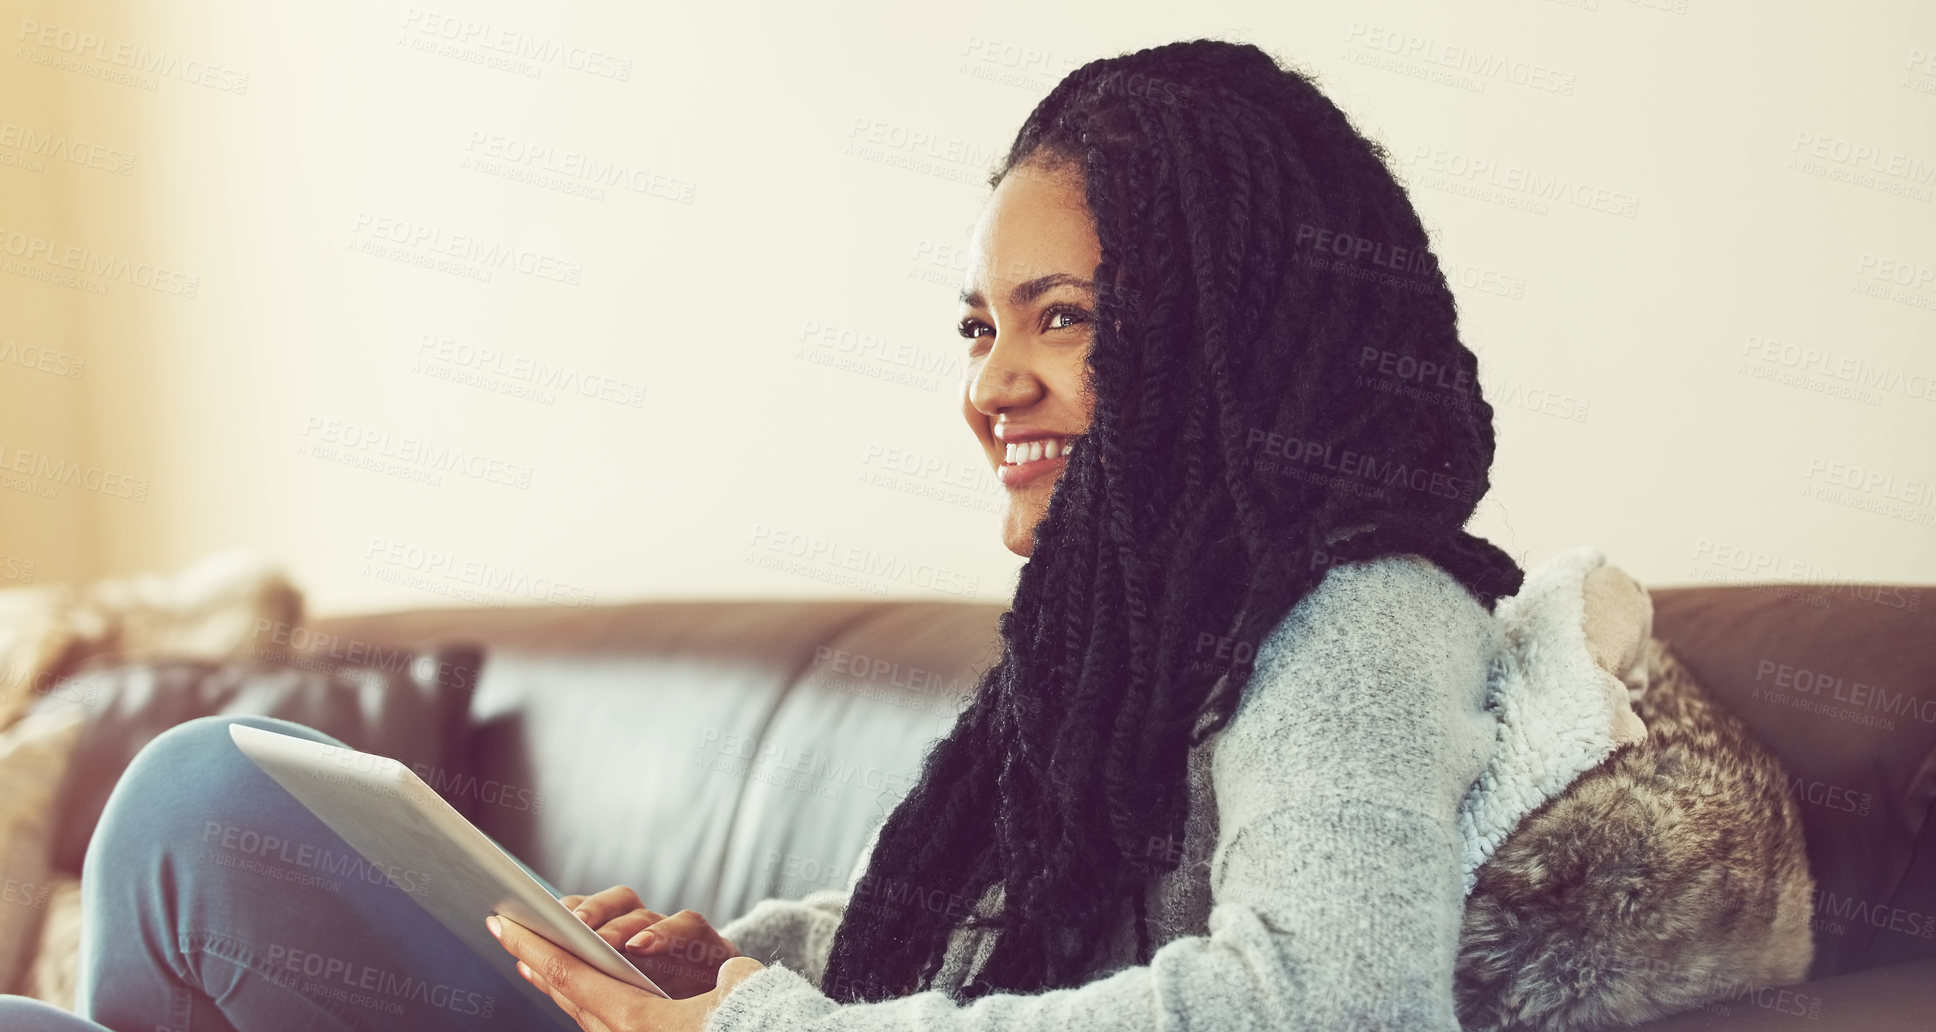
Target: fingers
[[540, 962], [625, 926], [587, 994], [599, 908], [685, 933], [681, 953], [595, 912]]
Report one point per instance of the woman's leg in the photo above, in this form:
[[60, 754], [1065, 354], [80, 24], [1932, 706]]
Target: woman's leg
[[20, 1014], [213, 901]]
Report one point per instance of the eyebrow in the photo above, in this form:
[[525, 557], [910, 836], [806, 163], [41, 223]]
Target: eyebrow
[[1030, 290]]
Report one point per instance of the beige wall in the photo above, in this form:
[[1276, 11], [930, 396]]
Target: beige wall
[[1718, 365]]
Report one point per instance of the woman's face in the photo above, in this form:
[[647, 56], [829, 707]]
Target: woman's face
[[1026, 310]]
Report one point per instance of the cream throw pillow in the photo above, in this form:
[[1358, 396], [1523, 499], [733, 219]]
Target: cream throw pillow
[[55, 971], [33, 761]]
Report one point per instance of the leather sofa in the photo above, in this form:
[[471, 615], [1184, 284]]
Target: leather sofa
[[712, 754]]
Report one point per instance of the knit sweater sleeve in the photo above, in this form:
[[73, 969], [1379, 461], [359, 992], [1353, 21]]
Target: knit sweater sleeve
[[1335, 883], [798, 933]]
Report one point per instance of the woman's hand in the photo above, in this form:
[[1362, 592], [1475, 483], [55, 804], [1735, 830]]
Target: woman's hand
[[680, 954], [601, 1003]]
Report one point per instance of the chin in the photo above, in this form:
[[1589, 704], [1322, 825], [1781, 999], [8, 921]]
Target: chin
[[1021, 544], [1023, 516]]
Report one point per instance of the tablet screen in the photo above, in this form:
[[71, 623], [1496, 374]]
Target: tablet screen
[[425, 847]]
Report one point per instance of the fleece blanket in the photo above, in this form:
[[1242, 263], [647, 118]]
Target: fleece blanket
[[1560, 710], [231, 605]]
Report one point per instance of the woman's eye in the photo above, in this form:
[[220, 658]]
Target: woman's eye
[[971, 328], [1075, 318]]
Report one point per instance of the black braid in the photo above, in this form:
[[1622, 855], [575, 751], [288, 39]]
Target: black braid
[[1207, 167]]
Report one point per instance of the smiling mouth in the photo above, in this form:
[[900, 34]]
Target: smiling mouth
[[1028, 461]]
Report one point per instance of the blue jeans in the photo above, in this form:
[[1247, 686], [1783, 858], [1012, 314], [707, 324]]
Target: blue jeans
[[214, 902]]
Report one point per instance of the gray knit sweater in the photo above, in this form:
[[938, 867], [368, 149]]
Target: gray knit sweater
[[1320, 883]]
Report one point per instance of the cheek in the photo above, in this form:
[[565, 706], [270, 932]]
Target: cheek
[[970, 414], [1070, 383]]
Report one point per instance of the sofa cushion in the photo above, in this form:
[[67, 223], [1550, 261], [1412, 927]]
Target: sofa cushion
[[1840, 683], [846, 743], [617, 737], [411, 706]]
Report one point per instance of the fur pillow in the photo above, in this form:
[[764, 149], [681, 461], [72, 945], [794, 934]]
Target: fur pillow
[[1671, 876]]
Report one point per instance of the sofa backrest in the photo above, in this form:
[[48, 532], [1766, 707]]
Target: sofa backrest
[[709, 754], [712, 754]]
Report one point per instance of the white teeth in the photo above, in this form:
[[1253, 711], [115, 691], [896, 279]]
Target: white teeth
[[1030, 451]]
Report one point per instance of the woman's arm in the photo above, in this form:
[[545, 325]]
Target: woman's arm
[[1336, 877]]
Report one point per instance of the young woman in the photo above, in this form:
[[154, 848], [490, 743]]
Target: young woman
[[1214, 778]]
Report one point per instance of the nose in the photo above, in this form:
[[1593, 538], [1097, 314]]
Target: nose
[[1005, 380]]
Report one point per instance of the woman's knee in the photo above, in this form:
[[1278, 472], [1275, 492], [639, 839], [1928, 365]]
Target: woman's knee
[[201, 752], [20, 1014], [185, 777], [206, 739]]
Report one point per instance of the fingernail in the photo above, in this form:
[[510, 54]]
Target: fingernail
[[497, 931], [641, 940], [525, 971]]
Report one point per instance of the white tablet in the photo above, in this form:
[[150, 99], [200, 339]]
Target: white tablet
[[398, 823]]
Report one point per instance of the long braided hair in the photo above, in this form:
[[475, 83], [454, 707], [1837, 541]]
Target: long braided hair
[[1278, 386]]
